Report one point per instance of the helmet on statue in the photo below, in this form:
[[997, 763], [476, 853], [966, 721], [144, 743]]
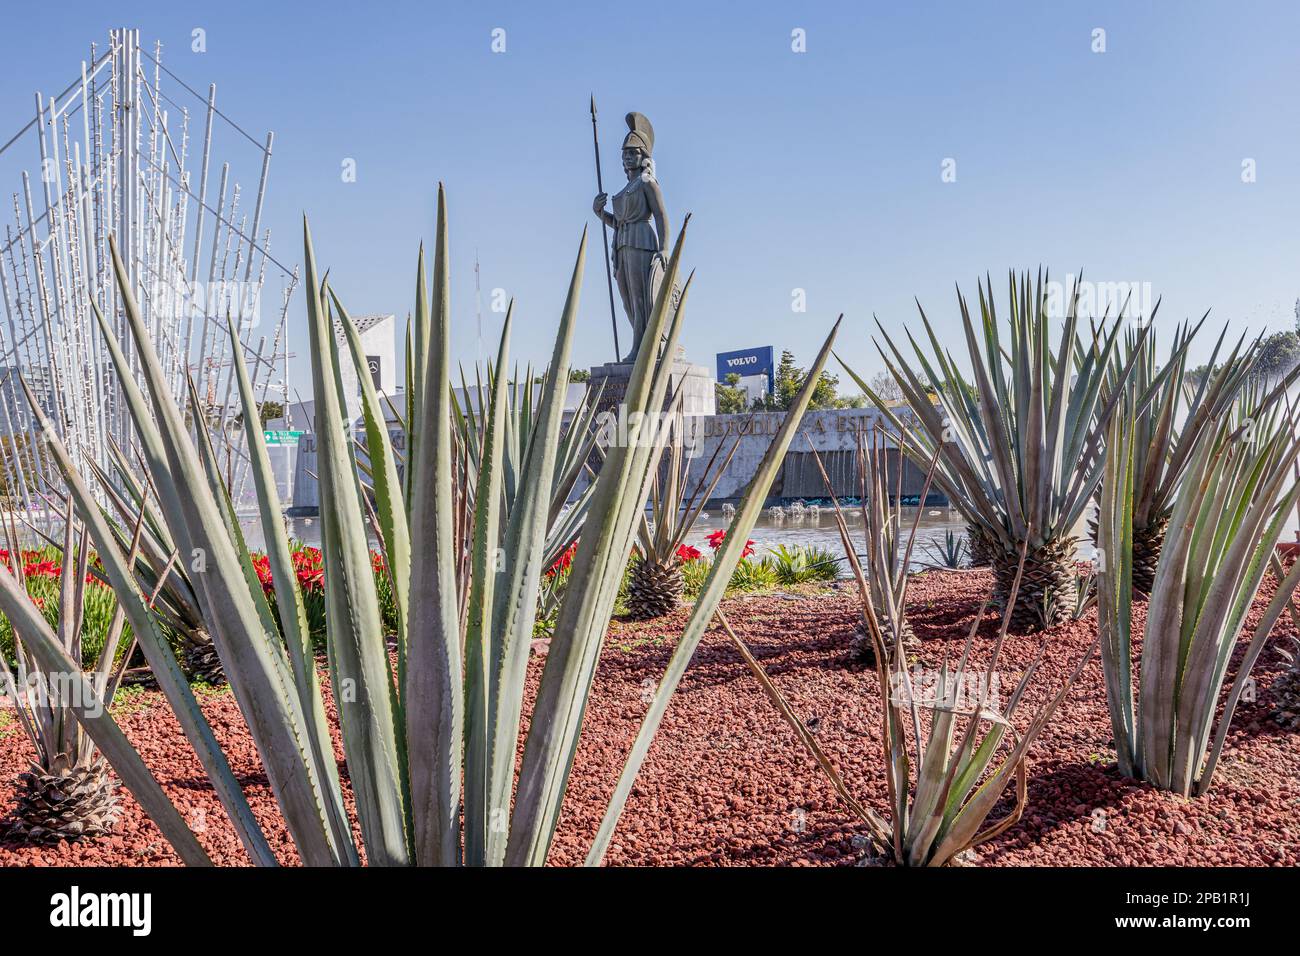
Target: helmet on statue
[[641, 135]]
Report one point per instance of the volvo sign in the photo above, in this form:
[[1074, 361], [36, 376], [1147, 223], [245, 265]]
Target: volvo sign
[[749, 364]]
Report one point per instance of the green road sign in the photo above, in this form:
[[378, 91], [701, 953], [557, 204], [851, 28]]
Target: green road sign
[[281, 437]]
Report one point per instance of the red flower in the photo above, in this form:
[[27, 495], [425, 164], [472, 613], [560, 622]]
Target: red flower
[[563, 561], [686, 553], [716, 538], [42, 569], [311, 579], [262, 565]]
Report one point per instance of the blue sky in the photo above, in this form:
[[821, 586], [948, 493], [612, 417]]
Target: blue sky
[[818, 171]]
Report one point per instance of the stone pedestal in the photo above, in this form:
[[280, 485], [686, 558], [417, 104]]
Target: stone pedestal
[[695, 382]]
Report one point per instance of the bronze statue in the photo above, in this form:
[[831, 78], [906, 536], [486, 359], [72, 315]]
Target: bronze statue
[[638, 247]]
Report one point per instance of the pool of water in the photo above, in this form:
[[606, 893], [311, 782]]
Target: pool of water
[[818, 528], [811, 527]]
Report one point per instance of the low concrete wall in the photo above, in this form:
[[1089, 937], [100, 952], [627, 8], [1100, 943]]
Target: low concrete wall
[[834, 434]]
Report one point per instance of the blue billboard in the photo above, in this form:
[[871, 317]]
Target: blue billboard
[[747, 362]]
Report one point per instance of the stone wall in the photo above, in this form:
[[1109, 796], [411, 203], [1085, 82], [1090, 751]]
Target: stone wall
[[834, 434]]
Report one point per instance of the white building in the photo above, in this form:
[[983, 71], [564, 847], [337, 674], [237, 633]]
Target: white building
[[379, 345]]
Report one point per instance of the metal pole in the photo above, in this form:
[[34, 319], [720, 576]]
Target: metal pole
[[604, 233]]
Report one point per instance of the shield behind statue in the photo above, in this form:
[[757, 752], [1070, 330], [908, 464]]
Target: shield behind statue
[[657, 273]]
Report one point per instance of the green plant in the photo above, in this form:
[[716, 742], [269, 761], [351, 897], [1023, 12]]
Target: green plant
[[1170, 415], [694, 574], [950, 553], [431, 743], [43, 570], [945, 783], [656, 582], [1019, 446], [751, 575], [790, 379], [1085, 590], [730, 398], [799, 565], [1229, 511], [69, 792]]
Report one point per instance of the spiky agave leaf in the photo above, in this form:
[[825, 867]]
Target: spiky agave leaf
[[239, 621], [1170, 414], [1020, 442], [941, 800], [711, 594], [1228, 513], [407, 779]]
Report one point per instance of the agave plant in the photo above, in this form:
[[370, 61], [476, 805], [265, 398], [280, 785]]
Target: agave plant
[[1170, 416], [159, 570], [69, 792], [1286, 686], [573, 461], [430, 739], [655, 581], [1085, 592], [137, 526], [1227, 515], [1019, 445], [951, 752], [950, 553], [887, 561]]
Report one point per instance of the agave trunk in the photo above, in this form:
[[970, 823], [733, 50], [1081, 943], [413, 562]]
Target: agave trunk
[[1048, 589], [1147, 542], [654, 588], [65, 801], [201, 661], [862, 649], [979, 547]]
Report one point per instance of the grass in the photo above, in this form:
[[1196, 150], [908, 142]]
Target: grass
[[128, 701], [648, 640]]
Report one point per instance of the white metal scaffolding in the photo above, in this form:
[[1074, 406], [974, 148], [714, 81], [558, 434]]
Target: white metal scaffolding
[[114, 158]]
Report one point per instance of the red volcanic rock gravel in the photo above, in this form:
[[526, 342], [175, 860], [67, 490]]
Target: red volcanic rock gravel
[[727, 783]]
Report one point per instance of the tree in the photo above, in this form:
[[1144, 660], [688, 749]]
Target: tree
[[269, 411], [731, 399], [884, 385], [579, 375], [790, 379], [1278, 355]]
